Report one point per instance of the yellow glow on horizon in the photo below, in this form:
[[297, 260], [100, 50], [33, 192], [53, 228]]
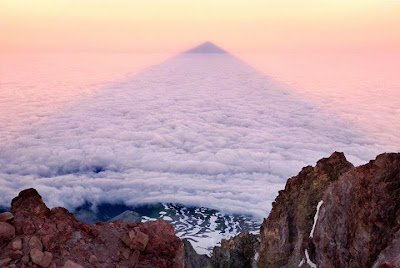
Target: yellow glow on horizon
[[169, 26]]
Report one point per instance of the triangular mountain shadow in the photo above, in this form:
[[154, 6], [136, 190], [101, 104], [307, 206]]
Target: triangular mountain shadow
[[207, 47], [192, 130]]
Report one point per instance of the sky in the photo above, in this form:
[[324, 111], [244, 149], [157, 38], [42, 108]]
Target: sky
[[240, 26], [218, 128]]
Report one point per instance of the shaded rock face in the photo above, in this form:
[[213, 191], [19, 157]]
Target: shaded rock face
[[236, 252], [285, 234], [194, 260], [54, 238], [359, 221]]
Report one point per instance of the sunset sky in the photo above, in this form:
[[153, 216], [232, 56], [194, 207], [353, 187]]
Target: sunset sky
[[168, 26]]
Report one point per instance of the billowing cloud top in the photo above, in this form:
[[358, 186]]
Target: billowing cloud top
[[202, 130]]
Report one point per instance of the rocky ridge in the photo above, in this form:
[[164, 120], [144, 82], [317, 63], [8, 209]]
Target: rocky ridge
[[330, 215], [333, 215], [285, 233], [32, 235]]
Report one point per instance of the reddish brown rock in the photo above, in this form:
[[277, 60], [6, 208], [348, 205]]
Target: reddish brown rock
[[71, 264], [135, 239], [34, 242], [6, 216], [16, 254], [31, 202], [92, 259], [16, 244], [51, 237], [360, 216], [5, 261], [238, 251], [7, 232], [285, 233]]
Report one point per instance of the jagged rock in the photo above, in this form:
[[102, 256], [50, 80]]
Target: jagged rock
[[93, 259], [16, 244], [194, 260], [135, 239], [390, 256], [36, 255], [31, 202], [4, 262], [134, 257], [63, 237], [16, 254], [163, 241], [128, 216], [6, 216], [35, 242], [71, 264], [360, 216], [285, 233], [25, 259], [7, 232], [43, 259], [237, 252]]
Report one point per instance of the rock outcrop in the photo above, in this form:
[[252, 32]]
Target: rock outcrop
[[237, 252], [335, 215], [330, 215], [285, 234], [194, 260], [359, 221], [32, 235]]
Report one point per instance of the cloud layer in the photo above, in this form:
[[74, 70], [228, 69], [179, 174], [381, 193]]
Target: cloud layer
[[203, 130]]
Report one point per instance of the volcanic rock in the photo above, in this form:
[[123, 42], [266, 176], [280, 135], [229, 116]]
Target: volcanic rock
[[5, 261], [7, 232], [35, 242], [194, 260], [43, 259], [236, 252], [127, 216], [285, 233], [359, 221], [71, 264], [54, 238], [6, 216], [16, 244]]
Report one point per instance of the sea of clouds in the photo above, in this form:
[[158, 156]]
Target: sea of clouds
[[204, 130]]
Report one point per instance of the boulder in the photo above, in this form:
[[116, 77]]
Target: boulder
[[16, 244], [71, 264], [34, 242], [7, 232], [4, 262], [6, 216], [31, 202], [135, 239], [43, 259]]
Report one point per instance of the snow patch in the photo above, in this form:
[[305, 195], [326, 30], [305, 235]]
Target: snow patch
[[309, 262], [256, 256], [166, 218], [316, 218]]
